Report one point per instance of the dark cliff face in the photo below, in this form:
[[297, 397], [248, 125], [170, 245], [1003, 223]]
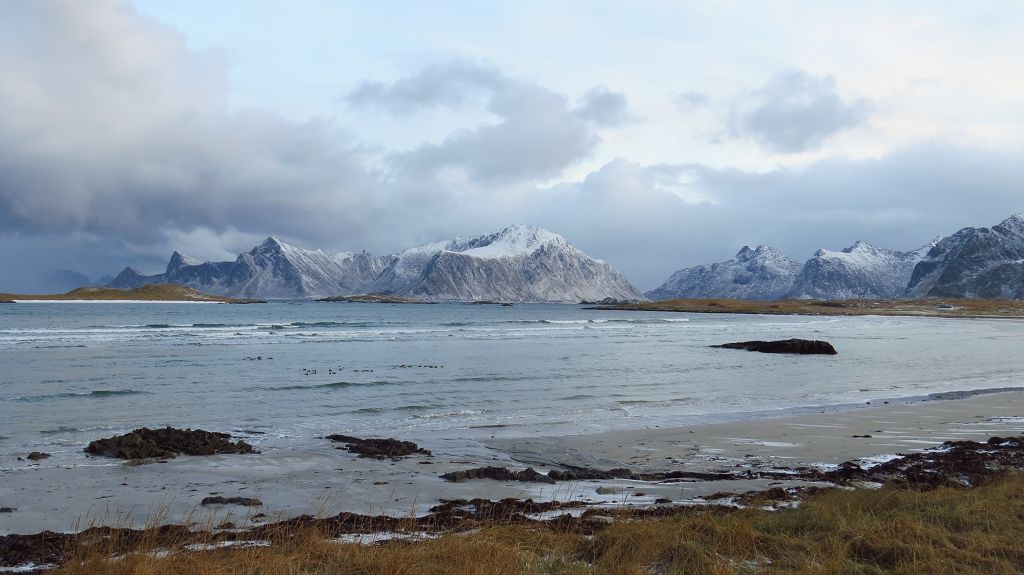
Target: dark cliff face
[[974, 262], [131, 279]]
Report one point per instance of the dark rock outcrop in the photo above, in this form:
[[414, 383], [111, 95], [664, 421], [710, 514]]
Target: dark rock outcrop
[[245, 501], [798, 346], [37, 456], [379, 448], [500, 473], [165, 443], [957, 464], [585, 473]]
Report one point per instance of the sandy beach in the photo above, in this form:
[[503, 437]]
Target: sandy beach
[[321, 480]]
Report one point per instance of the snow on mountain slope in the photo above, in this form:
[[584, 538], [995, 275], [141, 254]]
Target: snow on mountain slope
[[974, 262], [273, 269], [761, 273], [276, 269], [518, 264], [859, 271]]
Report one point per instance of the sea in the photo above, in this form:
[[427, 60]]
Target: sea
[[285, 372]]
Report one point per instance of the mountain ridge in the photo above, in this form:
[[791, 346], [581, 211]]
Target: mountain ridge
[[517, 264], [971, 263]]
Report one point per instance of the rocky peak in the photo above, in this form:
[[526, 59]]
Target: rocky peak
[[179, 261]]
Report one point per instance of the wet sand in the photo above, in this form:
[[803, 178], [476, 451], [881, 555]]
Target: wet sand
[[816, 439], [315, 478]]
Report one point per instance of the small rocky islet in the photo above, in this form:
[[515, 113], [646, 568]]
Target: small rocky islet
[[793, 346]]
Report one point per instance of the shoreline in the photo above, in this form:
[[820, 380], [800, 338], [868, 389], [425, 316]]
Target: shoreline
[[927, 307], [315, 477], [112, 301], [152, 293]]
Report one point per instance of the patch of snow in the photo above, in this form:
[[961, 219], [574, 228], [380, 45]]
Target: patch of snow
[[225, 545], [515, 241], [372, 538], [27, 567]]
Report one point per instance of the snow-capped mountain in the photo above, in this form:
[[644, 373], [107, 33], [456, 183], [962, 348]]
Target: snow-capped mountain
[[760, 273], [974, 262], [859, 271], [273, 269], [518, 264]]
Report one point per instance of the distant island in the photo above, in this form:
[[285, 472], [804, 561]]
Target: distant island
[[929, 307], [373, 298], [152, 292]]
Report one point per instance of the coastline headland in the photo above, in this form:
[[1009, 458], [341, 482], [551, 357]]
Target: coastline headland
[[147, 293], [930, 307]]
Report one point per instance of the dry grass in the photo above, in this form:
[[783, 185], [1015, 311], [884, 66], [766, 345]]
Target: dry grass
[[152, 292], [930, 307], [890, 530]]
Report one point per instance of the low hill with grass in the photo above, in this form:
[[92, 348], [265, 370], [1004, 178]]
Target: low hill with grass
[[152, 292], [929, 307]]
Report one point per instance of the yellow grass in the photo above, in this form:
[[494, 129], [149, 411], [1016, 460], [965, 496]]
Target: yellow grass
[[890, 530], [930, 307], [153, 292]]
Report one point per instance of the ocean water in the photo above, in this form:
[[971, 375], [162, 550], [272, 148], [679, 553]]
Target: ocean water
[[286, 372]]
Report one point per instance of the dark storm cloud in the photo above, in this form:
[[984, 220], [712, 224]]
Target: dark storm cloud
[[796, 112], [112, 127]]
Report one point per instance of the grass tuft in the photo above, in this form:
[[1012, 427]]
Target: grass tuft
[[888, 530]]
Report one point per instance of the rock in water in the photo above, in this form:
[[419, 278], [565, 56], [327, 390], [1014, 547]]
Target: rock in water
[[167, 442], [37, 456], [798, 346]]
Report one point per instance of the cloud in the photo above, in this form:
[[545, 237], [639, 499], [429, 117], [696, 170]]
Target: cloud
[[449, 84], [649, 220], [536, 133], [796, 112], [113, 127], [604, 107], [117, 147]]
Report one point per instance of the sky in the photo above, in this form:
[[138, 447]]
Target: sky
[[653, 135]]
